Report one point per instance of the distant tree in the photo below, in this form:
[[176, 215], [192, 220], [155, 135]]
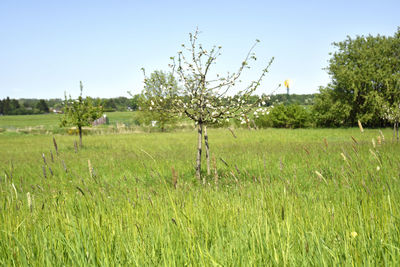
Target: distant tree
[[134, 102], [156, 100], [204, 98], [80, 112], [14, 105], [7, 106], [392, 114], [109, 105], [42, 106], [365, 75]]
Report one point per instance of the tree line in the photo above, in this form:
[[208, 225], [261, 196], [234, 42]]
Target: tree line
[[25, 106], [28, 106]]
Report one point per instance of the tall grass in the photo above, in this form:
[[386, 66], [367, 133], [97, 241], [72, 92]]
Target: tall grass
[[282, 197]]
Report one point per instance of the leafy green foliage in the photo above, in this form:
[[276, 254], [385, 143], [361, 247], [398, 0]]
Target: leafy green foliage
[[365, 75], [284, 116], [156, 100], [42, 106]]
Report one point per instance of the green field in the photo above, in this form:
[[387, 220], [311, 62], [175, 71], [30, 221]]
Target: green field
[[51, 121], [284, 197]]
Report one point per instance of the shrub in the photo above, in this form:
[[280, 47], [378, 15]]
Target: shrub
[[281, 116]]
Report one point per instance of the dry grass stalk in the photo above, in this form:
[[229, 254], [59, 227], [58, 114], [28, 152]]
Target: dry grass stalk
[[322, 178], [76, 147], [28, 197], [237, 169], [231, 130], [15, 190], [373, 143], [326, 143], [254, 124], [215, 171], [265, 164], [223, 161], [44, 172], [65, 167], [55, 145], [51, 171], [360, 126], [379, 140], [382, 136], [354, 140], [174, 177], [90, 168], [233, 174], [51, 155], [44, 159]]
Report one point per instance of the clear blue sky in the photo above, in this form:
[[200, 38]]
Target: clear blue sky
[[47, 47]]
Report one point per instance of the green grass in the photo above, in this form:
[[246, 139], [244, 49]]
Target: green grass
[[50, 123], [269, 207]]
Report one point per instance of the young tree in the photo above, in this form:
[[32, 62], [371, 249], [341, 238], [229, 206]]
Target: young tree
[[157, 97], [80, 112], [206, 100], [392, 114]]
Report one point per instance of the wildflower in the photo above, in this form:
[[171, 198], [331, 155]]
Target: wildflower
[[353, 234], [378, 168]]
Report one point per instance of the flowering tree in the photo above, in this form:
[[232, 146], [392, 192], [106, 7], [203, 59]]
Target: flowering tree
[[80, 112], [157, 96], [392, 114], [206, 100]]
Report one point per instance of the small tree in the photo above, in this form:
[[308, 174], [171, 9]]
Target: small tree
[[203, 99], [157, 97], [80, 112], [392, 114]]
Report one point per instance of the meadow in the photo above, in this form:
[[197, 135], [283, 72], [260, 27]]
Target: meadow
[[274, 197]]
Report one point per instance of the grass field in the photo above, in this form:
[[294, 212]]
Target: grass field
[[284, 197], [49, 124]]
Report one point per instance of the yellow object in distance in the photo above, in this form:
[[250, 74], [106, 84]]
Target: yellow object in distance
[[286, 83]]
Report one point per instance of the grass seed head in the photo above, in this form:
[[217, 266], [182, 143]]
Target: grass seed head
[[360, 126]]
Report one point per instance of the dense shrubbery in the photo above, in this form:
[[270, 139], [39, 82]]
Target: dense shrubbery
[[284, 116]]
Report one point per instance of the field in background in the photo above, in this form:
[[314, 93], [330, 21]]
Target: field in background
[[275, 197], [49, 123]]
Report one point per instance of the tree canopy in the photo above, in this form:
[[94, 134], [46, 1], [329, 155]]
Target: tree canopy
[[365, 74], [80, 112], [156, 100]]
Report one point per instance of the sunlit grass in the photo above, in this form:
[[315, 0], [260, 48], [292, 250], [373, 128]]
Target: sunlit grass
[[268, 207]]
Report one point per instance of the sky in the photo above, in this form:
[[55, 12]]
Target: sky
[[47, 47]]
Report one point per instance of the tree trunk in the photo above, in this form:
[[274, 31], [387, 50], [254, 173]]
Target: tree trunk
[[394, 131], [199, 147], [207, 150], [80, 136]]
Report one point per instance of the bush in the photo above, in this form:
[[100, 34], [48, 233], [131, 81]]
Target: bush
[[281, 116]]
